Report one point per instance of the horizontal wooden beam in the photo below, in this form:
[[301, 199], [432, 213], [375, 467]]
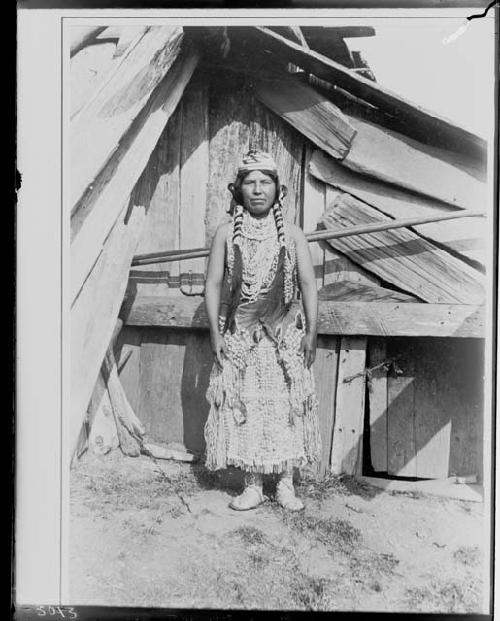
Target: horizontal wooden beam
[[339, 318]]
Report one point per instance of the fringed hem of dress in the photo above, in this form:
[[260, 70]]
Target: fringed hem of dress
[[263, 406]]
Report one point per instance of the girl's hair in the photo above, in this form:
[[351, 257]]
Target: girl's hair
[[274, 301]]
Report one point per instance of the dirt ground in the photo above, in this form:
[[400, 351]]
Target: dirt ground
[[161, 535]]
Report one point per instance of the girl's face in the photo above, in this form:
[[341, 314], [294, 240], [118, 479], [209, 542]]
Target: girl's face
[[258, 191]]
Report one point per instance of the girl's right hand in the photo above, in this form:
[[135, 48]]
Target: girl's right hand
[[219, 348]]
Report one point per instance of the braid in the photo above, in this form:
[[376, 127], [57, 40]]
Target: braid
[[278, 218], [237, 224]]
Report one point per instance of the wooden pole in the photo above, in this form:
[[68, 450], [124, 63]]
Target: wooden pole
[[179, 255]]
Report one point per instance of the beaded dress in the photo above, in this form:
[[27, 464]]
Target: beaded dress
[[263, 406]]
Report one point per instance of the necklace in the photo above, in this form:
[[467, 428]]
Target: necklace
[[258, 228]]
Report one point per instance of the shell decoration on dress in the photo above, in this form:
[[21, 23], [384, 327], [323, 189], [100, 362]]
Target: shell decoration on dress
[[250, 366]]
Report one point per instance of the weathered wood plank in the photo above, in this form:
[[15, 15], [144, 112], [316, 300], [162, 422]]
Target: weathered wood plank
[[404, 162], [124, 35], [197, 365], [103, 436], [193, 178], [349, 291], [466, 237], [174, 373], [129, 428], [401, 443], [118, 179], [325, 374], [95, 310], [229, 130], [346, 456], [158, 189], [448, 407], [93, 66], [377, 396], [329, 43], [402, 258], [99, 126], [463, 377], [445, 386], [88, 71], [313, 209], [162, 356], [310, 113], [348, 318], [237, 122], [338, 267], [439, 130], [270, 133], [433, 419], [128, 353]]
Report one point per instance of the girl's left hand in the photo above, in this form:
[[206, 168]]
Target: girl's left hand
[[308, 348]]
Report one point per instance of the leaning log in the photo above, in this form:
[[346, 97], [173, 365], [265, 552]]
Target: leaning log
[[99, 126], [118, 178]]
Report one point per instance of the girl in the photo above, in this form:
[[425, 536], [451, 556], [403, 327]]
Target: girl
[[263, 406]]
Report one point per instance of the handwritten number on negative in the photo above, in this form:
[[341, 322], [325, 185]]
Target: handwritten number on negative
[[57, 611]]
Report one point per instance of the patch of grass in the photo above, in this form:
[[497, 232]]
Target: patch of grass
[[468, 555], [257, 559], [110, 490], [366, 564], [414, 494], [309, 592], [250, 535], [449, 596], [337, 534], [342, 485]]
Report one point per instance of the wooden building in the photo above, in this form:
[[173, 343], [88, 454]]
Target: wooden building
[[160, 117]]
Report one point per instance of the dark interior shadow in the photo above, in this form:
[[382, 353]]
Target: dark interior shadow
[[446, 388]]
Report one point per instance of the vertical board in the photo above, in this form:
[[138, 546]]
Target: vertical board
[[401, 444], [377, 397], [128, 356], [448, 408], [159, 190], [194, 175], [432, 414], [175, 368], [325, 375], [238, 122], [435, 415], [346, 455], [268, 132], [197, 364], [312, 210], [464, 383], [229, 114], [162, 356]]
